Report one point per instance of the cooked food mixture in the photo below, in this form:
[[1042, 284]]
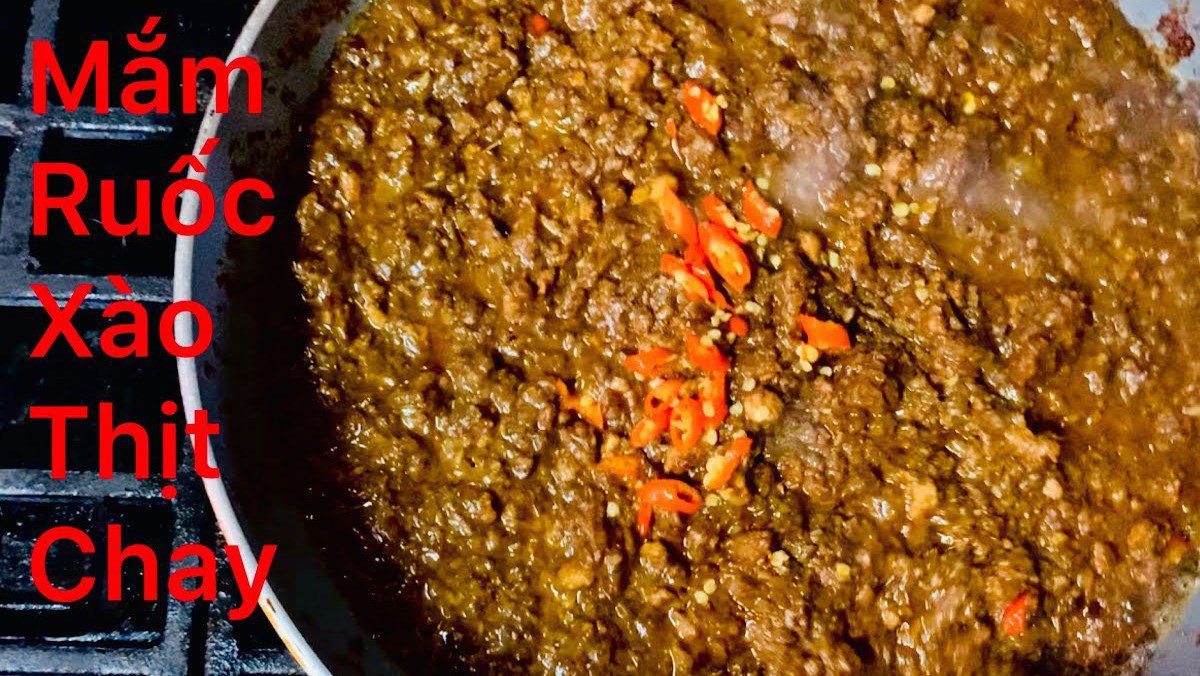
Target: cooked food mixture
[[782, 336]]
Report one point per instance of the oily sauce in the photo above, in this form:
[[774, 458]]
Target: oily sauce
[[1000, 201]]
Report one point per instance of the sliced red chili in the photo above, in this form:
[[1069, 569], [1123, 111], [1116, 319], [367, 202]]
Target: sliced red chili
[[824, 335], [691, 285], [694, 256], [665, 495], [705, 357], [697, 264], [671, 494], [759, 213], [676, 215], [645, 431], [686, 425], [738, 326], [591, 411], [1015, 615], [718, 212], [645, 517], [696, 282], [724, 469], [660, 399], [648, 362], [726, 256], [537, 25], [702, 107], [622, 466], [585, 406], [713, 400]]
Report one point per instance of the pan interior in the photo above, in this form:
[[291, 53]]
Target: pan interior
[[276, 433]]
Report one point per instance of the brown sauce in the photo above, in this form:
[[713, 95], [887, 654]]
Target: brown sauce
[[999, 200]]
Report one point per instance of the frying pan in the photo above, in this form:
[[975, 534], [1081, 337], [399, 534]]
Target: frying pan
[[325, 597]]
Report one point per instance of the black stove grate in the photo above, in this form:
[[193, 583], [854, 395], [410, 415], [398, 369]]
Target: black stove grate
[[96, 636]]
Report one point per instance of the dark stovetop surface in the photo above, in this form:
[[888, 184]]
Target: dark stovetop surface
[[95, 635]]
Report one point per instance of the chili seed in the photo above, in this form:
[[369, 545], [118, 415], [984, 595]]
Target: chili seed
[[970, 105], [923, 14]]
